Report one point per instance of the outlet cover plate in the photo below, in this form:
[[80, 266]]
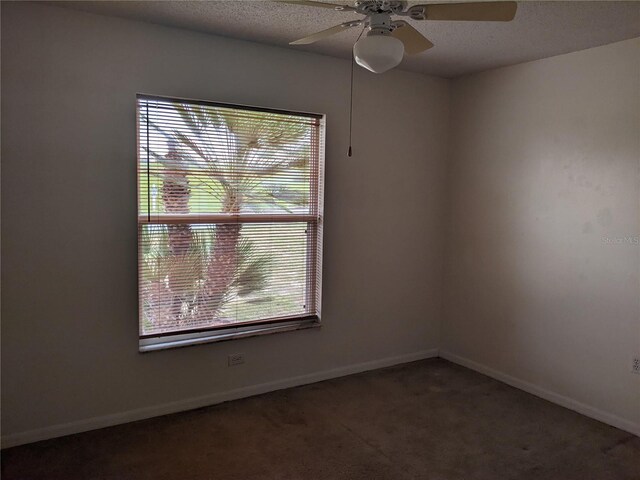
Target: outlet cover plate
[[235, 359], [635, 364]]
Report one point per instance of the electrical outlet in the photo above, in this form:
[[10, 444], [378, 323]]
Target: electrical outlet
[[635, 364], [236, 359]]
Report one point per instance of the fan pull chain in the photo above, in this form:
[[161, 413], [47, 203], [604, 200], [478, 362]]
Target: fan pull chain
[[350, 152]]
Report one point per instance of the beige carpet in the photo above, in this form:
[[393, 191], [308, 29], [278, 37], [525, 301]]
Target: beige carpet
[[425, 420]]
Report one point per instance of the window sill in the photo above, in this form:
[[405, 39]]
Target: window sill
[[186, 340]]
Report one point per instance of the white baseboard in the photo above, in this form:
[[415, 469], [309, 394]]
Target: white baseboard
[[60, 430], [571, 404]]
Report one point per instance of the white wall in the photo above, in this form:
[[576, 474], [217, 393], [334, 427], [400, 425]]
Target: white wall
[[544, 166], [70, 356]]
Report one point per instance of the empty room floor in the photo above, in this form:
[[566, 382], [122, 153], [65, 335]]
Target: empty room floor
[[423, 420]]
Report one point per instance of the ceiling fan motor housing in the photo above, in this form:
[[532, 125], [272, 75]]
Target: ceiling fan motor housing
[[379, 24], [368, 7]]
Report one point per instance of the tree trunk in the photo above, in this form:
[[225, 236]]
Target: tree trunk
[[223, 265], [175, 197]]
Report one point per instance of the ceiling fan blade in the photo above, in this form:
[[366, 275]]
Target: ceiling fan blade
[[326, 33], [414, 42], [477, 11], [332, 6]]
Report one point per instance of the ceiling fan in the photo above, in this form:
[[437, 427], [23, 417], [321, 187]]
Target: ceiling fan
[[387, 40]]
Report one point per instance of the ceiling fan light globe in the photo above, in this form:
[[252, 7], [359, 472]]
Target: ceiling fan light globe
[[378, 53]]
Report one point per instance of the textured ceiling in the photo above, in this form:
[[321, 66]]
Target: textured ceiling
[[540, 29]]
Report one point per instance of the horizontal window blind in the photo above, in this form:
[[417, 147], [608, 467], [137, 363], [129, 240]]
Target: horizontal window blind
[[229, 216]]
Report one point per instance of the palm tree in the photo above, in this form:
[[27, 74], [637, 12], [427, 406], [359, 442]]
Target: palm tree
[[235, 173]]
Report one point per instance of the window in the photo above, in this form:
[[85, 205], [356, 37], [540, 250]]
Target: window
[[229, 221]]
